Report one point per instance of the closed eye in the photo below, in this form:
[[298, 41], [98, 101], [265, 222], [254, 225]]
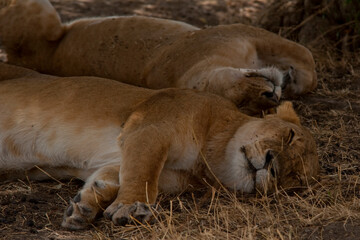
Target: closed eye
[[291, 136]]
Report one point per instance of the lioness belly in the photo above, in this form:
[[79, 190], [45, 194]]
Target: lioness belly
[[51, 144], [31, 134]]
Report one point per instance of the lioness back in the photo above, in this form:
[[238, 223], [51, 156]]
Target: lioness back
[[128, 43]]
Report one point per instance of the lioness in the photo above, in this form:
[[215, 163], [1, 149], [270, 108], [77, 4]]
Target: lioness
[[128, 143], [231, 61]]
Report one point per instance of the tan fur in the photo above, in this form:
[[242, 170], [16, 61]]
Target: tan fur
[[286, 112], [129, 143], [158, 53]]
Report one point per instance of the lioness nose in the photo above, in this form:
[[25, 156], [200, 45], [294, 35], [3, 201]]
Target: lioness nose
[[268, 94], [271, 96]]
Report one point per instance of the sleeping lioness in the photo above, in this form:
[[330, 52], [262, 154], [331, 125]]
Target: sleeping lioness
[[232, 61], [128, 143]]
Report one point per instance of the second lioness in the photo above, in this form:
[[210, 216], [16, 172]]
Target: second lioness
[[228, 60]]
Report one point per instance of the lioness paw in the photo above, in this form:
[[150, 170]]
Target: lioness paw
[[78, 215], [122, 214]]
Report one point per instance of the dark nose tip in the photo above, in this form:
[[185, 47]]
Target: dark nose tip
[[268, 94], [271, 96]]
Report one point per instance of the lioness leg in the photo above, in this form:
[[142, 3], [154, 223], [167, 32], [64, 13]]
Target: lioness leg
[[98, 192], [144, 155]]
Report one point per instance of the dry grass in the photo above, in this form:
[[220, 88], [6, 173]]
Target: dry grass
[[335, 199], [328, 210]]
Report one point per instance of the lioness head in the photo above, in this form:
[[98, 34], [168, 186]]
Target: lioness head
[[272, 152], [17, 22], [256, 90]]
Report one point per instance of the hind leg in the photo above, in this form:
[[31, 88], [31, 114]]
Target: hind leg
[[99, 191]]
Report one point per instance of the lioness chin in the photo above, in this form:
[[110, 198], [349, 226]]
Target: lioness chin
[[128, 143], [232, 61]]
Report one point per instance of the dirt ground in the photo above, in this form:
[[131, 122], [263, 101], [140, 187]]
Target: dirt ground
[[329, 210]]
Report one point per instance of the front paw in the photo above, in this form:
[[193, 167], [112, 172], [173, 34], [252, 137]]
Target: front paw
[[78, 215], [122, 214]]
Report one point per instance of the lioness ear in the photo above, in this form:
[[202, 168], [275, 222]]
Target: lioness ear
[[287, 113]]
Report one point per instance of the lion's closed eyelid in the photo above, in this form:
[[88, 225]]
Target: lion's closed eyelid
[[290, 136]]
